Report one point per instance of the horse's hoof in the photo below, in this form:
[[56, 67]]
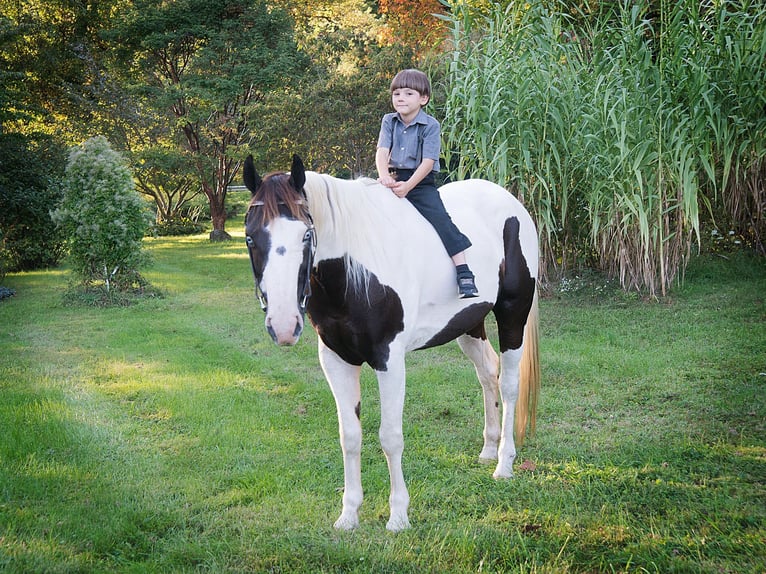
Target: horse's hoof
[[488, 455], [346, 523], [398, 524], [502, 473]]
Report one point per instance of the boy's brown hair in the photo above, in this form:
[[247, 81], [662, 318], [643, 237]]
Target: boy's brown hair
[[413, 80]]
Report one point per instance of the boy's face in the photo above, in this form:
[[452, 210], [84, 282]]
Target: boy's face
[[408, 101]]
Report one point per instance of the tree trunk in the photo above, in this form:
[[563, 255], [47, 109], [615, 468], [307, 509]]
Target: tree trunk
[[217, 215]]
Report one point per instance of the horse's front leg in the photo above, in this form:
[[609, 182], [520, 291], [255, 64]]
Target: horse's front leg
[[344, 383], [392, 387]]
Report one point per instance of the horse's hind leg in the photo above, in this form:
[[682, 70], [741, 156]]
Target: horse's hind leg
[[343, 379], [512, 308], [476, 346], [509, 391]]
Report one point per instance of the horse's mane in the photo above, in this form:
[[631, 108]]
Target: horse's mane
[[355, 213], [275, 196]]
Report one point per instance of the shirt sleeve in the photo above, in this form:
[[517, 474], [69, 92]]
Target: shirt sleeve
[[385, 137], [432, 140]]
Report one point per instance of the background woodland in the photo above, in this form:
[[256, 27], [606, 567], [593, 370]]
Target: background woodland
[[634, 131]]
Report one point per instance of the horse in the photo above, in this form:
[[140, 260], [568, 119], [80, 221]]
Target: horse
[[377, 283]]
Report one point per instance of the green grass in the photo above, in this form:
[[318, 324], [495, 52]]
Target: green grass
[[173, 436]]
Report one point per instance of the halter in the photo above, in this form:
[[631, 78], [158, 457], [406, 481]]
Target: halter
[[310, 236]]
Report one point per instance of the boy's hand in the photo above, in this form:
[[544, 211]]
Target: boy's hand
[[401, 188], [387, 180]]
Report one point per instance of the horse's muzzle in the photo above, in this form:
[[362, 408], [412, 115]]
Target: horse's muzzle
[[285, 332]]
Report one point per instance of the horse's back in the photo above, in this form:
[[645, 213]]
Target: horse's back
[[481, 209], [484, 199]]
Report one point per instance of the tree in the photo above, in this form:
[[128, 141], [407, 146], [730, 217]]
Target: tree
[[102, 217], [161, 172], [341, 111], [207, 62], [29, 165], [29, 168], [45, 45], [414, 23], [340, 102]]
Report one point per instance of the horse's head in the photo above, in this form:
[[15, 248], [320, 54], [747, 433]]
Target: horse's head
[[281, 242]]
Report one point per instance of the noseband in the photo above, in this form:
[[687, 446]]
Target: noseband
[[309, 238]]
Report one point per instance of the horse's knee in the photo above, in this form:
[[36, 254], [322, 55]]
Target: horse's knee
[[351, 440], [391, 440]]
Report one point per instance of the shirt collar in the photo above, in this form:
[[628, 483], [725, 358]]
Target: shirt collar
[[421, 118]]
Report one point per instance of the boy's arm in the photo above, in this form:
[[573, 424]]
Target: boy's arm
[[382, 155]]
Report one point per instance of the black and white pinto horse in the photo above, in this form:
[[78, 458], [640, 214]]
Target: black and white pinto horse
[[377, 283]]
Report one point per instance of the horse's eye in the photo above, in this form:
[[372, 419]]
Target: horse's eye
[[307, 236], [249, 241]]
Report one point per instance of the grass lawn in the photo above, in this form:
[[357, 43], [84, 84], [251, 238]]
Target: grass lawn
[[174, 436]]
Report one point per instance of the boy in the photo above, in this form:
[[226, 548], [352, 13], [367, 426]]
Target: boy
[[407, 158]]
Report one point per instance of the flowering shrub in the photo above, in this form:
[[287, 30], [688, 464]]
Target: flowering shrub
[[102, 217]]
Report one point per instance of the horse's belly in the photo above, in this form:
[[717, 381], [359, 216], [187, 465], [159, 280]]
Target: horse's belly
[[438, 325]]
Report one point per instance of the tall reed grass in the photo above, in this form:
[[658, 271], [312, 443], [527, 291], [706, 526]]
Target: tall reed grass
[[621, 130]]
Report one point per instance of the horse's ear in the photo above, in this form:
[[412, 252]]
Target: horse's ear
[[251, 177], [297, 173]]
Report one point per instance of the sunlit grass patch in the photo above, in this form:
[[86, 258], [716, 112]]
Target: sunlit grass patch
[[173, 435]]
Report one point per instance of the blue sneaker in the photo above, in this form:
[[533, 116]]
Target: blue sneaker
[[466, 287]]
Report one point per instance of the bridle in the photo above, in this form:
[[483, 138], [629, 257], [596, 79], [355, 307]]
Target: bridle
[[309, 239]]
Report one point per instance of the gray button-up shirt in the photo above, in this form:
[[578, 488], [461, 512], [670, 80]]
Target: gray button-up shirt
[[410, 144]]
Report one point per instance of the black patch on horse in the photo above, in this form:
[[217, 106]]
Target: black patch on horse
[[465, 321], [358, 325], [516, 291]]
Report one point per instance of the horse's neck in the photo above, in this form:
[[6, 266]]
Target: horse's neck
[[346, 216]]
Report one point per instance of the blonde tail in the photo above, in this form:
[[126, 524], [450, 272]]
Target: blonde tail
[[529, 377]]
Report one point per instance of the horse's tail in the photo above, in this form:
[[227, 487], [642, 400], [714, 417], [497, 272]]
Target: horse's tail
[[529, 377]]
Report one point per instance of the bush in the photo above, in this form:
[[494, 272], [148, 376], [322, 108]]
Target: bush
[[103, 218], [30, 168], [180, 226]]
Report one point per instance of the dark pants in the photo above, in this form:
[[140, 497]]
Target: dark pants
[[425, 197]]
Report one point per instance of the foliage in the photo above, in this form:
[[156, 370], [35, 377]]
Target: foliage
[[30, 168], [203, 64], [162, 173], [102, 217], [45, 45], [334, 34], [185, 89], [331, 115], [182, 225], [174, 436], [417, 24], [619, 131], [340, 113]]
